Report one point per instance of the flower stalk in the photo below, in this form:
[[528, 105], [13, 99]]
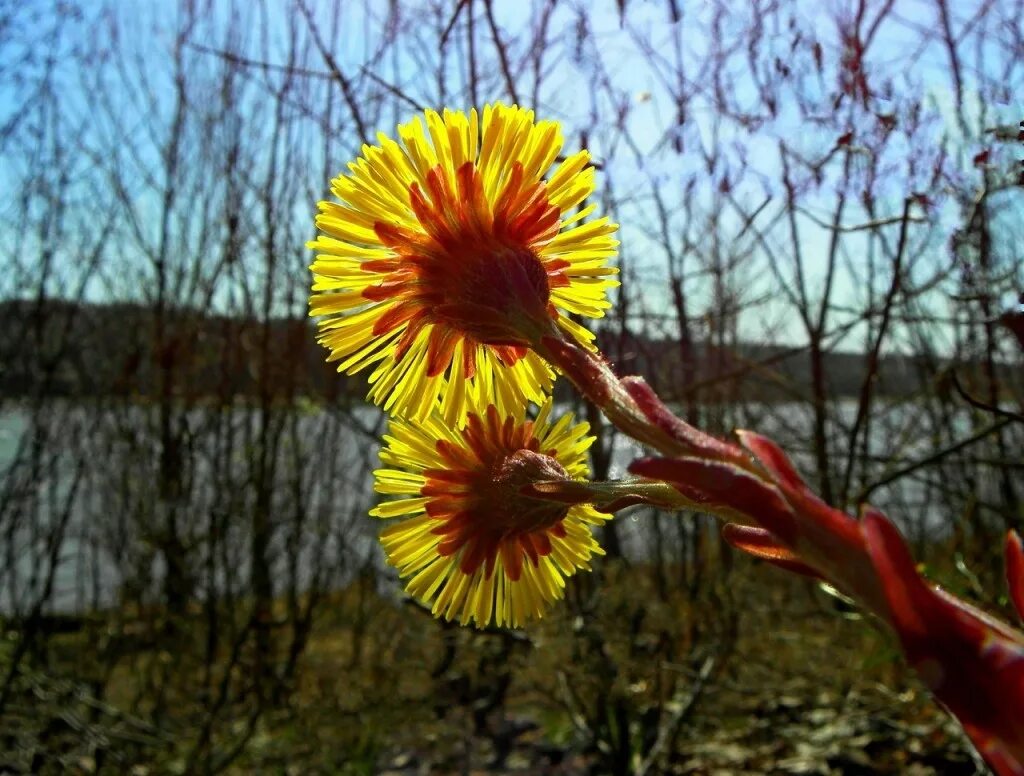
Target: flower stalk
[[972, 663]]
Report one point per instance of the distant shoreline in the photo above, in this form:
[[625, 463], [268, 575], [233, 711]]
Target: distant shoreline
[[81, 351]]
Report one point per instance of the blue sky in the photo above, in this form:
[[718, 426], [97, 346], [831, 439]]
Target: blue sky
[[624, 52]]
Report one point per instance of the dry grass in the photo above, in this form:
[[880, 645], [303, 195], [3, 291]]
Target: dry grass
[[759, 673], [804, 688]]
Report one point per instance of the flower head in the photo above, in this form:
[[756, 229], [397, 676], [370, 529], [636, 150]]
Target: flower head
[[472, 544], [449, 254]]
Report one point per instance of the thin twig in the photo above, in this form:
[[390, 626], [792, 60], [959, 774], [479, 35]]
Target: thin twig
[[500, 48], [269, 67], [392, 89], [979, 404], [339, 76], [451, 22], [668, 731], [938, 455], [874, 357], [862, 227]]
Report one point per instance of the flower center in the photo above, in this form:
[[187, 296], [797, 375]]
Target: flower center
[[513, 512], [496, 295], [478, 499], [473, 270]]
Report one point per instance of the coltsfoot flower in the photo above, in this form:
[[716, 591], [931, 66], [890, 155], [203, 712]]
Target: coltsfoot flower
[[470, 544], [449, 254]]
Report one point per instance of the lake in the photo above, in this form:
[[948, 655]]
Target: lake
[[86, 504]]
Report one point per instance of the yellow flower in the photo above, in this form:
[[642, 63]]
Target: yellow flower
[[471, 544], [448, 255]]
